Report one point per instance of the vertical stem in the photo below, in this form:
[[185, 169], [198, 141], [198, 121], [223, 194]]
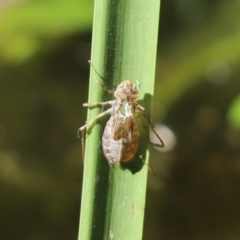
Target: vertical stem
[[123, 47]]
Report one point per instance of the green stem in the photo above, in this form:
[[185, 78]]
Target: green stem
[[123, 47]]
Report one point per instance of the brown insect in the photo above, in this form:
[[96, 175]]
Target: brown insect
[[120, 139]]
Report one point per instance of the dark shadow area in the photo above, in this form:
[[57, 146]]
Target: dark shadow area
[[101, 200], [138, 162]]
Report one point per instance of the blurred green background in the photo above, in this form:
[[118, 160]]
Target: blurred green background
[[44, 48]]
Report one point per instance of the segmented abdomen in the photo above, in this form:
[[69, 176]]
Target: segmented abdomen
[[120, 139]]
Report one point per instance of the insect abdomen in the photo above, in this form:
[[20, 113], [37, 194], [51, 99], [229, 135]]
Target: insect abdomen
[[124, 148]]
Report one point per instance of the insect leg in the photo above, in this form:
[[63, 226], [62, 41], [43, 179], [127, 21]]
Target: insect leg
[[92, 105], [150, 168], [83, 145], [102, 85], [143, 111], [82, 129], [96, 118]]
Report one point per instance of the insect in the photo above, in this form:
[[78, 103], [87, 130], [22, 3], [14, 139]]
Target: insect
[[120, 138]]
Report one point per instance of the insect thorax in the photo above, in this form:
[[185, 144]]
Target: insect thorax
[[120, 139]]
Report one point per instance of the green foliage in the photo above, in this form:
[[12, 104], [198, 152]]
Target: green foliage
[[184, 61], [233, 115], [124, 47], [41, 110], [24, 27]]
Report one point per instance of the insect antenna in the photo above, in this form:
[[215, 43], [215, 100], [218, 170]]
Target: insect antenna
[[102, 85]]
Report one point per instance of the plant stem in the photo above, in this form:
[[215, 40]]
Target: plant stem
[[123, 47]]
